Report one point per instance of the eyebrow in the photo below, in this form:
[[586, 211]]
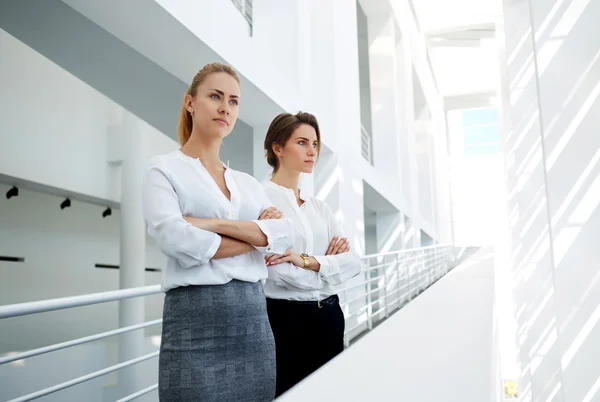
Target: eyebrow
[[223, 93], [305, 139]]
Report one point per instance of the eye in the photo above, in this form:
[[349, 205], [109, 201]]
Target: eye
[[301, 142], [234, 102], [315, 145], [215, 96]]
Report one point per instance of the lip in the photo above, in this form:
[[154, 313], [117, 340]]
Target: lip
[[311, 162], [221, 121]]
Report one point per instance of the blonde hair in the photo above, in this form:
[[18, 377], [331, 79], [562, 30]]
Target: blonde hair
[[184, 127]]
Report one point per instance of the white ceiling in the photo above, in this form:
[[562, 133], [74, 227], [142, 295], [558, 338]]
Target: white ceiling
[[462, 45], [443, 15]]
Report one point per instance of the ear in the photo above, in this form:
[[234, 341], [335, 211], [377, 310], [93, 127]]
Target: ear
[[277, 149], [188, 102]]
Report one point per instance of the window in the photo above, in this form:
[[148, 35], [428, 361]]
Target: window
[[480, 130]]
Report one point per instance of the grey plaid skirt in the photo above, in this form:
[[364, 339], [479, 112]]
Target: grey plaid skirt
[[217, 344]]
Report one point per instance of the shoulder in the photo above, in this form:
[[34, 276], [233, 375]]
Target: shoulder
[[246, 179], [321, 206], [163, 161]]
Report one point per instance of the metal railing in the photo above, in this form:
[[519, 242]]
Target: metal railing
[[366, 142], [245, 7], [388, 282]]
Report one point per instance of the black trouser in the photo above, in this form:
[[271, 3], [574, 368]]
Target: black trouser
[[307, 335]]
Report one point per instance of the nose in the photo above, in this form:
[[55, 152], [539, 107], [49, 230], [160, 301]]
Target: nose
[[225, 108]]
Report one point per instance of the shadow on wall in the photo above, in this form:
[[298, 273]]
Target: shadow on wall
[[553, 154]]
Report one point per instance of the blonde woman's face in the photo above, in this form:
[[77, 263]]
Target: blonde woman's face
[[215, 106]]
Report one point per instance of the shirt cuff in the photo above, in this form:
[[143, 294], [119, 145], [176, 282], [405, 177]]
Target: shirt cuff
[[278, 241], [326, 267], [214, 247]]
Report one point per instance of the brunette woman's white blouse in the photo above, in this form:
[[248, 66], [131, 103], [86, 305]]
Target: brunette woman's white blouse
[[315, 227], [177, 185]]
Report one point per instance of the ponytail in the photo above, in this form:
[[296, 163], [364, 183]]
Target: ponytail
[[184, 127]]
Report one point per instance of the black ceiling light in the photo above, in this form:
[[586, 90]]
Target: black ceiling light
[[65, 204], [13, 192], [107, 212]]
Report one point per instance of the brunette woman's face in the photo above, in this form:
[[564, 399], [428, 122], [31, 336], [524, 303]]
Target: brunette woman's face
[[215, 107], [300, 151]]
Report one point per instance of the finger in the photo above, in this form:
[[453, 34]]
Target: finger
[[270, 258], [331, 244], [282, 260], [338, 245], [267, 212]]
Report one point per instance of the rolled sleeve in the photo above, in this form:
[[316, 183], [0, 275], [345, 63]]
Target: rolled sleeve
[[280, 235], [337, 269], [174, 236], [290, 276]]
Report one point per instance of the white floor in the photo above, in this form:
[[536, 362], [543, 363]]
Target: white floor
[[439, 348]]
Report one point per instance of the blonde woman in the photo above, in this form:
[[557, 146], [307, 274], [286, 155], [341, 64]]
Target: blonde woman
[[214, 224]]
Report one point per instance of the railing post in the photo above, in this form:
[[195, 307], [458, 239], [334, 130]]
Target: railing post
[[423, 269], [398, 279], [369, 298], [408, 279], [385, 298]]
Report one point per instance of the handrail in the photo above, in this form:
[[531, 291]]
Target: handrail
[[406, 250], [406, 276], [42, 306], [139, 393], [75, 342], [87, 377]]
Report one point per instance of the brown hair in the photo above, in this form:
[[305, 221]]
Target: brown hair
[[282, 128], [184, 128]]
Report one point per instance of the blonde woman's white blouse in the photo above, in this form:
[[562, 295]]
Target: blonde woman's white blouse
[[315, 226], [177, 185]]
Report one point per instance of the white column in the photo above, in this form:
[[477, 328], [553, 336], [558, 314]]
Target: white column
[[132, 247]]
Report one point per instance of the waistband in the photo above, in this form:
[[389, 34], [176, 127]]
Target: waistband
[[328, 302]]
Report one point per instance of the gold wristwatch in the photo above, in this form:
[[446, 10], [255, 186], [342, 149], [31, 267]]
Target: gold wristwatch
[[306, 260]]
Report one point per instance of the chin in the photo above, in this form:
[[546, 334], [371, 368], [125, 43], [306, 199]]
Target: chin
[[307, 170], [224, 132]]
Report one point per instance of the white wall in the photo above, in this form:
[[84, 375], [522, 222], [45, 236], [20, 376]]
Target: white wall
[[56, 129], [60, 249], [551, 84]]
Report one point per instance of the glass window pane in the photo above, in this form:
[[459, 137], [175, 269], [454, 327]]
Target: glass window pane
[[474, 117], [478, 135]]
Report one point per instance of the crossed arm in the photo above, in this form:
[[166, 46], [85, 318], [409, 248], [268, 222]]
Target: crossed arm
[[336, 246], [237, 237]]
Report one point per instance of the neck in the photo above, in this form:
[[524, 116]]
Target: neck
[[286, 178], [204, 148]]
